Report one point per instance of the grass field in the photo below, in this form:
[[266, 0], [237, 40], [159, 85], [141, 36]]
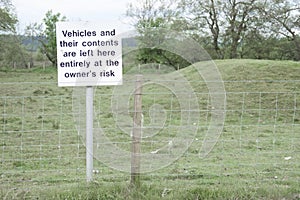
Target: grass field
[[257, 155]]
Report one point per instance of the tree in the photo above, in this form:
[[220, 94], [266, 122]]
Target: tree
[[49, 36], [33, 31], [238, 14], [12, 52], [152, 19], [145, 14], [8, 19], [283, 19], [204, 19], [225, 28], [225, 21]]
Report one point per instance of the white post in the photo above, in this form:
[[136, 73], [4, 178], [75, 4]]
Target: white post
[[89, 132]]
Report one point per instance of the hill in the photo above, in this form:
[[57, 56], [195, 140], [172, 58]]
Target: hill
[[256, 156]]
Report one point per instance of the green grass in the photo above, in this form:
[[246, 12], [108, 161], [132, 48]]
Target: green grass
[[43, 157]]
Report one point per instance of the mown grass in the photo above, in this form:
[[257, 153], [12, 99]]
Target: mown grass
[[256, 157]]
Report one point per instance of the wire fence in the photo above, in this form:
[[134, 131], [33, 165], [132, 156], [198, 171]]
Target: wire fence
[[42, 135]]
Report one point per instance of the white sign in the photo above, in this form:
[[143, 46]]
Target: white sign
[[88, 54]]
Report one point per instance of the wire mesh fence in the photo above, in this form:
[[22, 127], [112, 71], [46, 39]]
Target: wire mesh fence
[[42, 135]]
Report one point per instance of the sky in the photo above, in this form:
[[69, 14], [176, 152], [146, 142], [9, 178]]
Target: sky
[[109, 12]]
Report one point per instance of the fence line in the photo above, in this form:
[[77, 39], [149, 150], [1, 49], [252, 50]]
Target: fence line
[[39, 142]]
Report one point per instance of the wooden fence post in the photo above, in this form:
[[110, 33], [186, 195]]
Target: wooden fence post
[[136, 133]]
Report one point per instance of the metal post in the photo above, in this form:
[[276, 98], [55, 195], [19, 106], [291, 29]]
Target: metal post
[[89, 132]]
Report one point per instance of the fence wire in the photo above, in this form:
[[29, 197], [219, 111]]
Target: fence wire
[[42, 135]]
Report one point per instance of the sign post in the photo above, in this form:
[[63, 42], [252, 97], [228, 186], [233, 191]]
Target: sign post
[[88, 54], [89, 132]]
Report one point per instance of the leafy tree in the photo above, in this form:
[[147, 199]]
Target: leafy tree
[[12, 52], [238, 14], [256, 45], [204, 18], [49, 41], [152, 13], [283, 19], [152, 19], [266, 29], [8, 19], [33, 31], [225, 21]]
